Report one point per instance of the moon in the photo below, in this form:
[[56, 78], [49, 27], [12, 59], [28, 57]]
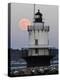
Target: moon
[[24, 23]]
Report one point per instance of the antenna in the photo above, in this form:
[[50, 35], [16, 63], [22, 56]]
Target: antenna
[[34, 11]]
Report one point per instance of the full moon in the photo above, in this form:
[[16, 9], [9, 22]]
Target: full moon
[[24, 23]]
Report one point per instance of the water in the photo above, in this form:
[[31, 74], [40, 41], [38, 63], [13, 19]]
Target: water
[[20, 64]]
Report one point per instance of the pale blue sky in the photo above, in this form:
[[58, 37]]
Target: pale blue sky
[[19, 38]]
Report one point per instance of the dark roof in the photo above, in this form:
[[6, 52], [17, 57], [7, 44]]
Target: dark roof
[[38, 13]]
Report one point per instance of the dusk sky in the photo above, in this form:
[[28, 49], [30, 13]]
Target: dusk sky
[[19, 11]]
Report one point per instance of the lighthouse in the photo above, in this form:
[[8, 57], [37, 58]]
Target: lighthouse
[[38, 50]]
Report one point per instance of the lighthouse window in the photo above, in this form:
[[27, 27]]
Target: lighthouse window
[[36, 50], [36, 42]]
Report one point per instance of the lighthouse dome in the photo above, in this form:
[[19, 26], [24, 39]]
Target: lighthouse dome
[[38, 16]]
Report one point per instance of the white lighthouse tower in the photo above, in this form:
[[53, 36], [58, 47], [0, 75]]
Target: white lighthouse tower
[[38, 53]]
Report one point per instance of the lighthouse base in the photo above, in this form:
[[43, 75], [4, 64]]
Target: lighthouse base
[[37, 60]]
